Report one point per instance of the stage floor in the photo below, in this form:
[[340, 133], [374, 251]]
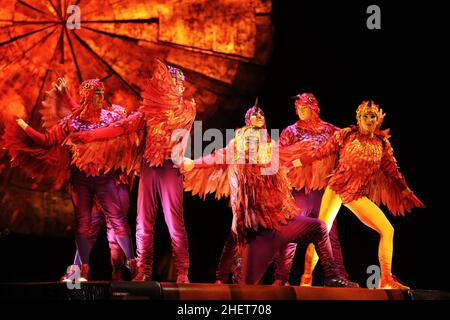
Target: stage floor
[[124, 290]]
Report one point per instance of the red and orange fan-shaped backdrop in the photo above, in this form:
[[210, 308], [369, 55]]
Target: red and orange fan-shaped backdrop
[[222, 46]]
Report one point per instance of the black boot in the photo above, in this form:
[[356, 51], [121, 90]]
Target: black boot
[[340, 282]]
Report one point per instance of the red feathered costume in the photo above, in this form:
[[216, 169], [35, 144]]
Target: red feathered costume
[[94, 168], [265, 217], [359, 170]]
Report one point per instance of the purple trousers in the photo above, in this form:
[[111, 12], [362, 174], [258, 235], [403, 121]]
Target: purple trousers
[[104, 189], [310, 207], [166, 184], [259, 252], [99, 220], [228, 258]]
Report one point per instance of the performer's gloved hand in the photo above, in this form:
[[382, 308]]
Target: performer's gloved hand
[[81, 137], [297, 163], [61, 86], [22, 123], [381, 115], [187, 164]]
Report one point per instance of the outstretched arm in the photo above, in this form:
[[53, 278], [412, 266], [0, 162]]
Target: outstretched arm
[[330, 147], [286, 137], [97, 134], [61, 86], [128, 125], [302, 155], [40, 156], [70, 102], [51, 137], [207, 175], [218, 157], [310, 168]]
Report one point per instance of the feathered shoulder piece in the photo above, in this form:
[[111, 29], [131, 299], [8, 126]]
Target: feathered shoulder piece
[[163, 95], [121, 153], [318, 162], [165, 110], [341, 135]]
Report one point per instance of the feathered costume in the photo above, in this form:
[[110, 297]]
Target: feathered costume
[[359, 170], [354, 165], [167, 119], [50, 155], [312, 132], [166, 112], [265, 217], [163, 121], [94, 168], [49, 161], [258, 200], [164, 118]]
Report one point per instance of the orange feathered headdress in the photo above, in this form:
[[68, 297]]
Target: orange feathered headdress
[[367, 107]]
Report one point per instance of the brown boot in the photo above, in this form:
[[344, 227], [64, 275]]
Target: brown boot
[[142, 276], [340, 282], [132, 266], [392, 282]]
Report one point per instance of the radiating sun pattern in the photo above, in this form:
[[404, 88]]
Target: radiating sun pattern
[[222, 46]]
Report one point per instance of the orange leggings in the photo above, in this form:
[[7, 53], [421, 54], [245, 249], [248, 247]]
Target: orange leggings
[[369, 214]]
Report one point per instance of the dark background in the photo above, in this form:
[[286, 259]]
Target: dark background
[[324, 48]]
